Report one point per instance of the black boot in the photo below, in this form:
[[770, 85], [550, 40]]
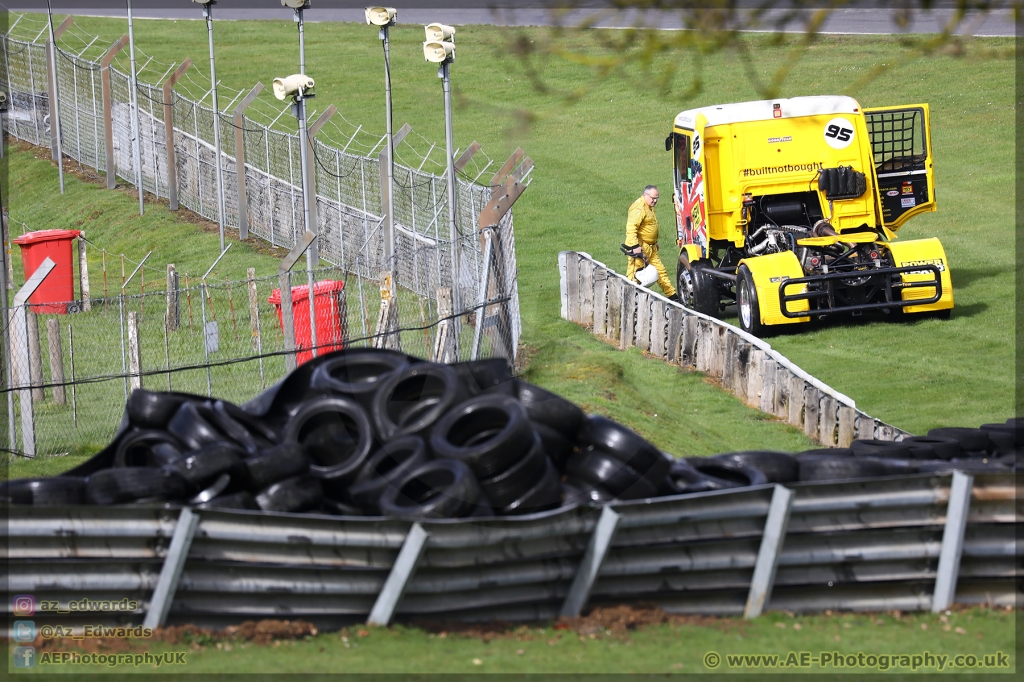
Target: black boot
[[675, 297]]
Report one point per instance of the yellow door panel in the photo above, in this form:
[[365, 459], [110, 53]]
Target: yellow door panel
[[903, 165], [769, 272], [921, 252]]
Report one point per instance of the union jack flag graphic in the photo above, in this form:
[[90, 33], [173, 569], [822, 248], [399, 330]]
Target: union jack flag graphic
[[691, 220]]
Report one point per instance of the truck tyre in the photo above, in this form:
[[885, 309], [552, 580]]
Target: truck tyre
[[385, 468], [544, 407], [489, 433], [136, 449], [413, 398], [933, 447], [601, 469], [971, 440], [748, 308], [545, 494], [625, 445], [514, 482], [337, 435], [444, 488], [697, 291]]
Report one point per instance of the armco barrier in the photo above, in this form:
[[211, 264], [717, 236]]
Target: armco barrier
[[627, 314], [871, 544]]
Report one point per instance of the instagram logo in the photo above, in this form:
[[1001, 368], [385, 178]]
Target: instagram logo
[[24, 605]]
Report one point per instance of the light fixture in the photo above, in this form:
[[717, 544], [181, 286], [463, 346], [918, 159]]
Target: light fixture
[[293, 4], [439, 32], [438, 52], [292, 86], [381, 16]]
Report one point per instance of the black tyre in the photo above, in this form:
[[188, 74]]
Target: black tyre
[[241, 427], [625, 445], [213, 491], [514, 482], [385, 468], [895, 467], [443, 488], [190, 425], [199, 468], [117, 486], [358, 374], [414, 398], [489, 433], [748, 308], [826, 468], [697, 290], [967, 466], [493, 374], [57, 491], [275, 464], [777, 467], [136, 449], [555, 412], [735, 474], [597, 468], [880, 449], [336, 508], [835, 453], [1004, 438], [239, 500], [933, 447], [546, 493], [297, 494], [971, 440], [555, 445], [153, 410], [578, 492], [338, 438]]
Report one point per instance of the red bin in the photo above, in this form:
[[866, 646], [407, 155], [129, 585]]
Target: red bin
[[330, 317], [58, 289]]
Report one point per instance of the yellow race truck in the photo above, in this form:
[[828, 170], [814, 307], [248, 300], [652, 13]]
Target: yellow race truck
[[789, 208]]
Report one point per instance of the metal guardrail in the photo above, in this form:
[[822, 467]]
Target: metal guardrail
[[871, 544]]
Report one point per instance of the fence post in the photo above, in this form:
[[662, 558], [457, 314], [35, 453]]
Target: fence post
[[847, 417], [827, 421], [170, 574], [398, 579], [768, 555], [443, 342], [796, 401], [19, 313], [284, 276], [83, 273], [674, 333], [172, 315], [590, 564], [386, 200], [562, 285], [134, 353], [755, 377], [172, 164], [729, 361], [812, 402], [239, 116], [768, 384], [687, 342], [572, 286], [600, 302], [310, 170], [952, 541], [254, 321], [51, 70], [108, 114], [627, 334], [386, 335], [35, 359], [587, 292], [643, 321], [56, 360]]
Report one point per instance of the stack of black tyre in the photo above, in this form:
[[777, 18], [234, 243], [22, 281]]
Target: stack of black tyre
[[380, 433]]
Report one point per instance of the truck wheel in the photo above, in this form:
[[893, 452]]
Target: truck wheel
[[747, 306], [697, 291]]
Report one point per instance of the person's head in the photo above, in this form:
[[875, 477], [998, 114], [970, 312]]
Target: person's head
[[651, 195]]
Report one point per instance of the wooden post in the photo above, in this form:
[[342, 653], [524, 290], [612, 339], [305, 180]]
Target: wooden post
[[674, 333], [172, 313], [659, 328], [688, 342], [172, 166], [796, 401], [56, 360], [703, 342], [782, 377], [35, 360], [755, 378], [643, 321], [239, 118], [254, 320], [729, 361], [587, 292], [768, 372], [717, 356], [628, 315], [827, 421], [600, 302], [741, 368], [847, 416], [812, 398], [865, 426], [83, 273], [387, 318], [614, 318], [108, 114], [884, 431], [443, 342], [572, 286], [134, 353]]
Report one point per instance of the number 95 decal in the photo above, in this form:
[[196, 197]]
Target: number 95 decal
[[838, 133]]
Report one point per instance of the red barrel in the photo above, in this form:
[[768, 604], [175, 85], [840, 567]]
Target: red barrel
[[330, 317], [58, 289]]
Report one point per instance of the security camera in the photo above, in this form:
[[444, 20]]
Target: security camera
[[439, 33], [295, 4], [381, 16], [438, 51], [292, 86]]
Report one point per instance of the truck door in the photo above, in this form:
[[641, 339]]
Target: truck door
[[902, 149], [688, 193]]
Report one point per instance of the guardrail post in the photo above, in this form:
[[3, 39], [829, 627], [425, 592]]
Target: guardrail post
[[170, 574], [952, 541], [405, 565], [768, 555], [590, 565]]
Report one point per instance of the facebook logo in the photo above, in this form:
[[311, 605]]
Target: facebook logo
[[24, 631], [24, 656]]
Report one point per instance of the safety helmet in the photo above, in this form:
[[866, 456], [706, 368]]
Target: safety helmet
[[647, 275]]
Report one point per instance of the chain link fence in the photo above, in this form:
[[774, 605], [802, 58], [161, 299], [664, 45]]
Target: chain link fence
[[95, 101]]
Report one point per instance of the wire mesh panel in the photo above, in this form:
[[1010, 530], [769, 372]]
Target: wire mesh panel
[[24, 80], [81, 109], [897, 139]]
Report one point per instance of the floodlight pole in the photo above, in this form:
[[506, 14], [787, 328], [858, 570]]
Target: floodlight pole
[[444, 73], [208, 13], [307, 181], [56, 100], [389, 238], [136, 126]]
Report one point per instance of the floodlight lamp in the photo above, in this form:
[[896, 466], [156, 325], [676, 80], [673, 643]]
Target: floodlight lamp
[[381, 16], [292, 86], [439, 33], [205, 2], [295, 4], [438, 51]]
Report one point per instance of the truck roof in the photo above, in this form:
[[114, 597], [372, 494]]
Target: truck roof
[[763, 110]]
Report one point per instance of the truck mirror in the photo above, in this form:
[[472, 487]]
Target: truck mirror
[[668, 143]]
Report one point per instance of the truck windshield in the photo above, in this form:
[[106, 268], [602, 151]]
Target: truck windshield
[[684, 173]]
